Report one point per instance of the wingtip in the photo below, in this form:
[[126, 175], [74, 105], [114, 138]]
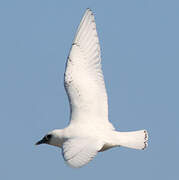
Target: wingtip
[[89, 10]]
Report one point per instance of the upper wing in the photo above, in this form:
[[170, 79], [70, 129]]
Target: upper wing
[[84, 81], [79, 151]]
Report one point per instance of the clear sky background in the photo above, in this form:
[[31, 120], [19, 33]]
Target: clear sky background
[[140, 57]]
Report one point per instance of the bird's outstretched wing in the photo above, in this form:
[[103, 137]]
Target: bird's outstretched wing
[[83, 80], [79, 151]]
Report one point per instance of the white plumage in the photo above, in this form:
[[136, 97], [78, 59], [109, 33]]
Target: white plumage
[[89, 130], [84, 81]]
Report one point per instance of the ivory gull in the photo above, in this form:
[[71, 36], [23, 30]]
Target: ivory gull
[[89, 130]]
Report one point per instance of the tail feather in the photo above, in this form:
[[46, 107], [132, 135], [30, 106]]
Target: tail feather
[[134, 139]]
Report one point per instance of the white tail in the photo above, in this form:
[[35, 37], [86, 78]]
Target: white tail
[[133, 139]]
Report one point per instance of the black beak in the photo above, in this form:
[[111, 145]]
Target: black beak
[[42, 141]]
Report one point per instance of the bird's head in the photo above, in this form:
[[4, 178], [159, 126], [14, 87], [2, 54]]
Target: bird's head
[[54, 138]]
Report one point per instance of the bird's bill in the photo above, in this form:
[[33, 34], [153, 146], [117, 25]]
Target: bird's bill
[[42, 141]]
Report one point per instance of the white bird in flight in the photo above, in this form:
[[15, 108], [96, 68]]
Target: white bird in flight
[[89, 130]]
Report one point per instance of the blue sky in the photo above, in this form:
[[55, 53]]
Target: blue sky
[[140, 51]]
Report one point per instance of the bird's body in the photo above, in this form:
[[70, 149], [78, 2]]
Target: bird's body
[[89, 130]]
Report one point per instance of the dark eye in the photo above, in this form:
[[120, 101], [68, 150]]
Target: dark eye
[[48, 136]]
